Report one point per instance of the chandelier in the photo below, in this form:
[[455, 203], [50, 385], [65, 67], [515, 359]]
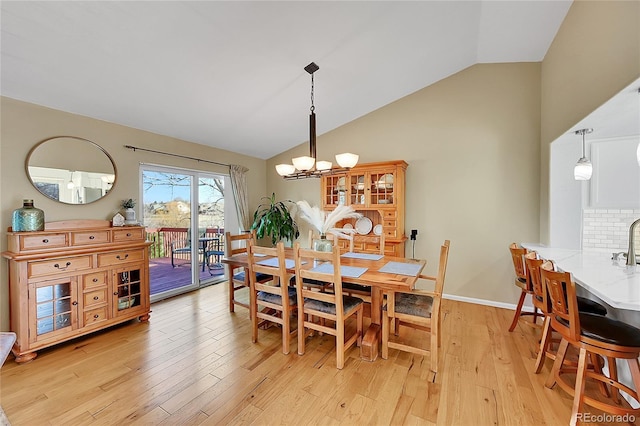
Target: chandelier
[[307, 166]]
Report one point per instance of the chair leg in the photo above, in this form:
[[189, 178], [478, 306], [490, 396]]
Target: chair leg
[[613, 375], [560, 355], [301, 331], [359, 325], [434, 347], [286, 332], [340, 345], [544, 344], [231, 293], [579, 389], [597, 368], [516, 317], [634, 367]]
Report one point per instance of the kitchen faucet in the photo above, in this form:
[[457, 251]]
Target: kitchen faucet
[[631, 253]]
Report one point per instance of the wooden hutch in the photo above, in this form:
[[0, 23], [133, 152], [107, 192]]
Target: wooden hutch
[[377, 190]]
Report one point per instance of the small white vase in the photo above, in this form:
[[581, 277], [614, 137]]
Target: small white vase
[[130, 216]]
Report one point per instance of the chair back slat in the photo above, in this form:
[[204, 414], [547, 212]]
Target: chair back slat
[[540, 299], [279, 271], [561, 292], [517, 256]]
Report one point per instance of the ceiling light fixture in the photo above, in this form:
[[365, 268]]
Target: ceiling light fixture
[[583, 169], [307, 166], [70, 184]]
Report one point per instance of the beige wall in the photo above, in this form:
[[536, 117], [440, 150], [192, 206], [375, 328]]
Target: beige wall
[[472, 145], [595, 54], [24, 125]]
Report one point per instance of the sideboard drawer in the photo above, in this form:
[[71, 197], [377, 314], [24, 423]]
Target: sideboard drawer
[[43, 241], [54, 266], [94, 316], [96, 297], [128, 234], [94, 237], [94, 280], [117, 257]]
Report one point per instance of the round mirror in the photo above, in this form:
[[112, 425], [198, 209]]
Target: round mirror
[[71, 170]]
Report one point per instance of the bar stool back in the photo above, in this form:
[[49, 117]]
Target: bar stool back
[[592, 335]]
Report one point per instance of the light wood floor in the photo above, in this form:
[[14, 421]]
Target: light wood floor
[[194, 363]]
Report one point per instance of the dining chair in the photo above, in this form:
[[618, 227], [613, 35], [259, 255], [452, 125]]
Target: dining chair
[[362, 243], [317, 311], [275, 302], [234, 245], [592, 335], [522, 281], [418, 309], [542, 302]]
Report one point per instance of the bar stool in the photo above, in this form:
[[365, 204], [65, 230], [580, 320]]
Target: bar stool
[[541, 301], [522, 281], [592, 335]]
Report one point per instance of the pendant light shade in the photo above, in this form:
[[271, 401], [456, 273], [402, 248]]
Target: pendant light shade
[[308, 166], [583, 169]]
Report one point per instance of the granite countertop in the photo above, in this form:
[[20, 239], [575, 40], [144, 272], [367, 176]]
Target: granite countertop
[[612, 281]]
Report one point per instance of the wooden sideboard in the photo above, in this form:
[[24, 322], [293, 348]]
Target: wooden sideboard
[[74, 278], [377, 191]]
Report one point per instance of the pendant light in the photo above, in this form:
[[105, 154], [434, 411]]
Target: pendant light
[[583, 169], [307, 166]]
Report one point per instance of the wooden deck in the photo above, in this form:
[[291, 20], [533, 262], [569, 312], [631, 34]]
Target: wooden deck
[[164, 277]]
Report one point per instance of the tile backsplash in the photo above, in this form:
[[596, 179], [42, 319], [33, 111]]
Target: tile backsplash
[[608, 228]]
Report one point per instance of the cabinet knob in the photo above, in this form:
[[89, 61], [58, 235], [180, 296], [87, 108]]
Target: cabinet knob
[[96, 316], [122, 258], [128, 234], [95, 298], [115, 293], [74, 303], [95, 280], [45, 241], [92, 237]]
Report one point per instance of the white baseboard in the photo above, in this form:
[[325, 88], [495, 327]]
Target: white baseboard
[[485, 302]]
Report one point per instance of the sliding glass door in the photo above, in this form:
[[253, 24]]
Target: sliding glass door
[[183, 212]]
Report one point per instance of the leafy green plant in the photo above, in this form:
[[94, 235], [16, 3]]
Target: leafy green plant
[[128, 204], [273, 219]]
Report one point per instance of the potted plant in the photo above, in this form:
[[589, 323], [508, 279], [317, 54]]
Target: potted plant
[[273, 219], [129, 212]]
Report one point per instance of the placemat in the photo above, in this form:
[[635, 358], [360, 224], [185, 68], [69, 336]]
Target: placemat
[[345, 271], [289, 263], [368, 256], [401, 268]]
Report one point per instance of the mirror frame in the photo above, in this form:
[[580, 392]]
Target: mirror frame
[[95, 145]]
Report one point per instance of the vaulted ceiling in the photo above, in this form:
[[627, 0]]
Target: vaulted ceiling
[[230, 74]]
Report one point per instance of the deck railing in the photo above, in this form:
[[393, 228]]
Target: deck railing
[[165, 238]]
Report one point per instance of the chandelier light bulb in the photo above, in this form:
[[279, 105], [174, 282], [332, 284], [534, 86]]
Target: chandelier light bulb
[[347, 160], [285, 169], [583, 169], [304, 163]]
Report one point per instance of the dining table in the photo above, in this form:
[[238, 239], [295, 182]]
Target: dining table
[[381, 273]]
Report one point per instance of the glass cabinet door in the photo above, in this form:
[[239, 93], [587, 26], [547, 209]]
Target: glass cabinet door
[[54, 307], [382, 188], [128, 289], [334, 190]]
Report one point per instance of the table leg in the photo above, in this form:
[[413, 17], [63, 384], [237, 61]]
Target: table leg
[[371, 338]]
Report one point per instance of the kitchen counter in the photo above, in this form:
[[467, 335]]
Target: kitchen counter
[[611, 281]]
